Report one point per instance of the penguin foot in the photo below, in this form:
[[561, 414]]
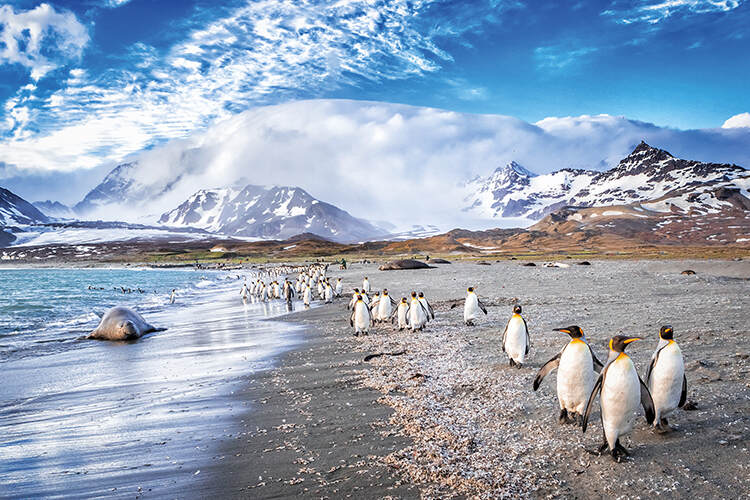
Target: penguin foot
[[519, 365], [663, 427], [619, 452], [563, 418], [602, 448], [511, 363]]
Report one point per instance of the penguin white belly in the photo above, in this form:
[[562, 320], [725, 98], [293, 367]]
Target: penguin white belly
[[471, 307], [575, 377], [384, 309], [361, 318], [306, 296], [515, 339], [620, 399], [402, 323], [417, 317], [665, 383]]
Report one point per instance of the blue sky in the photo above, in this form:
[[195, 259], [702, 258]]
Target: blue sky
[[89, 82]]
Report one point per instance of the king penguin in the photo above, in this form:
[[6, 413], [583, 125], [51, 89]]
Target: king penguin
[[472, 306], [622, 392], [402, 314], [575, 365], [360, 318], [516, 340], [666, 378], [417, 313]]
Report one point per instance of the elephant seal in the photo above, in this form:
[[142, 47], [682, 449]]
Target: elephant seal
[[121, 323]]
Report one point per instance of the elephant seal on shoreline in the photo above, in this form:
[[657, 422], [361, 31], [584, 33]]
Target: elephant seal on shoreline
[[122, 323]]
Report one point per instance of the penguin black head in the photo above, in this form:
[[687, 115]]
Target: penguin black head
[[470, 289], [403, 299], [356, 290], [359, 297], [421, 295], [666, 332], [574, 331], [620, 342], [413, 294], [516, 309], [385, 291]]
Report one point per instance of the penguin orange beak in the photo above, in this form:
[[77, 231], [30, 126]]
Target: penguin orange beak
[[632, 339], [564, 330]]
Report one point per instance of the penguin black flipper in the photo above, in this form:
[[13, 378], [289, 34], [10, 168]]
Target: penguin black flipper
[[545, 369], [429, 308], [651, 366], [351, 319], [393, 302], [528, 338], [598, 365], [590, 403], [683, 394], [481, 306], [647, 402]]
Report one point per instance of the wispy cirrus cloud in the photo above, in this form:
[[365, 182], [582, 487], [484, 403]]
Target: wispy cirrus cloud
[[260, 52], [652, 12], [558, 57]]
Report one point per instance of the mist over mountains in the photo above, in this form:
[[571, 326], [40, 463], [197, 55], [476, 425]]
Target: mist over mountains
[[380, 161]]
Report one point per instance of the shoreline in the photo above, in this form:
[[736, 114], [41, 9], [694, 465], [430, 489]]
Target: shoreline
[[151, 425], [310, 428]]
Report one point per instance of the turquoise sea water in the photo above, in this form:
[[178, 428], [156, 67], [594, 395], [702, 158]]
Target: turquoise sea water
[[45, 311], [85, 418]]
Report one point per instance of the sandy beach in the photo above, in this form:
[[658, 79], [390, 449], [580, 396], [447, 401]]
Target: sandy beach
[[447, 418], [450, 418]]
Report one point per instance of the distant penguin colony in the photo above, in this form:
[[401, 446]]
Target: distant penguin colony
[[581, 377]]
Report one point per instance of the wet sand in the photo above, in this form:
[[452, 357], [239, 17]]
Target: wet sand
[[451, 418], [134, 419]]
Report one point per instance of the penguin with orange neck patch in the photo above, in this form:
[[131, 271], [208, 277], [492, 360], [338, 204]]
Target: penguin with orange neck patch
[[666, 378], [622, 393], [575, 364], [516, 340]]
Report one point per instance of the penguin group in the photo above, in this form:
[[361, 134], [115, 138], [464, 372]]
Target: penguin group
[[413, 313], [310, 282], [620, 389], [581, 376]]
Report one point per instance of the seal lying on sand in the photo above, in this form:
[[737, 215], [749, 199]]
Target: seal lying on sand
[[121, 323]]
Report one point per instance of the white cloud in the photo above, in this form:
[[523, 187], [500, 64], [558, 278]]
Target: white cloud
[[40, 39], [654, 12], [394, 162], [262, 51], [115, 3], [737, 121]]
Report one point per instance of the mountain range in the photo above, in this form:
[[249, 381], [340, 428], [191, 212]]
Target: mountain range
[[268, 212], [649, 176], [649, 196]]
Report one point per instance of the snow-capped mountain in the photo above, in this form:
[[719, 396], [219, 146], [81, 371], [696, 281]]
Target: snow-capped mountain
[[649, 176], [513, 191], [14, 211], [117, 187], [268, 212], [55, 209]]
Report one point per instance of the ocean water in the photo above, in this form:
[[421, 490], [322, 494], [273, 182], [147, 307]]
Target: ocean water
[[89, 418]]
